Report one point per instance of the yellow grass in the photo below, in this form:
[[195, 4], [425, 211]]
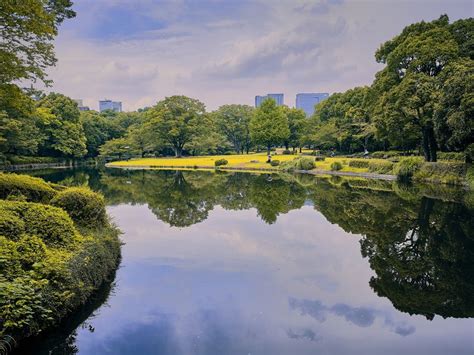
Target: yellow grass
[[234, 161], [250, 161]]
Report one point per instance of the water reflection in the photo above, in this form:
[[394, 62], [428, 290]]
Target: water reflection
[[202, 275]]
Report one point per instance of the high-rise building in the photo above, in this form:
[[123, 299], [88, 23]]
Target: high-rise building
[[80, 105], [307, 101], [110, 105], [277, 97]]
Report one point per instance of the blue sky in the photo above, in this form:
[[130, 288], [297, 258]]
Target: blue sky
[[228, 51]]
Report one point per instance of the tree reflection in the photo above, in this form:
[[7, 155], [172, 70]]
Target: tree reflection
[[418, 240]]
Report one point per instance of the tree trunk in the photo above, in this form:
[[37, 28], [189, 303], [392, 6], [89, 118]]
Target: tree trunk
[[429, 144], [268, 149], [178, 152]]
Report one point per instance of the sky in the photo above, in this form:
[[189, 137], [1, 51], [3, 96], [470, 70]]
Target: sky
[[228, 51]]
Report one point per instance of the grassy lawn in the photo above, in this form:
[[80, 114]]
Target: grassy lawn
[[257, 160], [250, 161]]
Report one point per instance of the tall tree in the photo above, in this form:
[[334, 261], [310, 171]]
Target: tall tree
[[64, 132], [297, 123], [176, 121], [269, 125], [414, 61], [234, 121], [27, 28]]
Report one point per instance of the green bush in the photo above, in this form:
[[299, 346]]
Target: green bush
[[319, 158], [301, 163], [275, 163], [359, 163], [84, 206], [336, 166], [406, 167], [33, 189], [11, 225], [51, 224], [442, 172], [220, 162], [452, 156], [18, 159], [380, 167], [287, 152]]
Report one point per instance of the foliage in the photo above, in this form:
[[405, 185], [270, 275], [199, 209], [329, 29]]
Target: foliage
[[233, 121], [297, 124], [275, 162], [220, 162], [336, 166], [359, 163], [47, 267], [269, 125], [380, 167], [406, 167], [453, 156], [176, 121], [301, 163], [33, 189], [26, 31], [441, 172], [83, 205]]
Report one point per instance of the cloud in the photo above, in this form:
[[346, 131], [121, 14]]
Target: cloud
[[227, 51], [360, 316]]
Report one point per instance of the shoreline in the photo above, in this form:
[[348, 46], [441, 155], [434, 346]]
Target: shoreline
[[365, 175]]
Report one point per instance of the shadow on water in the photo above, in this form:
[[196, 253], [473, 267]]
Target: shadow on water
[[418, 239], [61, 340]]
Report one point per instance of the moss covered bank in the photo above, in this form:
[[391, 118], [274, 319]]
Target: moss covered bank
[[57, 247]]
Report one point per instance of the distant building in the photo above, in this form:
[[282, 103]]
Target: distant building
[[81, 106], [277, 97], [110, 105], [307, 101]]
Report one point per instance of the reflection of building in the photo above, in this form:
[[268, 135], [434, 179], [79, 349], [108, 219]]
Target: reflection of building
[[110, 105], [277, 97], [81, 106], [307, 101]]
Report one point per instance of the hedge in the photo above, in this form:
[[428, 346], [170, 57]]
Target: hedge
[[380, 167], [83, 205], [31, 188], [336, 166], [220, 162], [302, 163], [49, 264], [359, 163]]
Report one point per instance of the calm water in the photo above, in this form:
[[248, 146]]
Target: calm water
[[264, 264]]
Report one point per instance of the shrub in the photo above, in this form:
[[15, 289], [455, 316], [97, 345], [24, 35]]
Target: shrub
[[359, 163], [453, 156], [275, 163], [302, 163], [83, 205], [51, 224], [442, 172], [220, 162], [11, 226], [406, 167], [336, 166], [380, 167], [319, 158], [33, 189], [287, 152]]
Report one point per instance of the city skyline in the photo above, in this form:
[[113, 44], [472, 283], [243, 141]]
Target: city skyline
[[146, 50]]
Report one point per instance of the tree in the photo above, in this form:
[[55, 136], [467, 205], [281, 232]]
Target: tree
[[176, 121], [63, 130], [116, 148], [27, 28], [234, 121], [269, 125], [297, 124], [454, 108], [97, 130], [414, 61]]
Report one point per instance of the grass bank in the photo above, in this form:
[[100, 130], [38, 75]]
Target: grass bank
[[412, 168], [57, 247]]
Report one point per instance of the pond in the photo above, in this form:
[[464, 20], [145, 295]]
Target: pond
[[236, 263]]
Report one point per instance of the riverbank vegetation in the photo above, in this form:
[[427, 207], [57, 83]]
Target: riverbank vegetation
[[56, 248]]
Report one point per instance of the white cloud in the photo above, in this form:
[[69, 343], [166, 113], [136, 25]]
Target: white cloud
[[228, 51]]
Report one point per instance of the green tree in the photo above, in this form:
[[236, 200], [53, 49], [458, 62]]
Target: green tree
[[63, 129], [414, 61], [269, 125], [115, 148], [234, 122], [297, 124], [176, 121], [98, 129], [27, 28]]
